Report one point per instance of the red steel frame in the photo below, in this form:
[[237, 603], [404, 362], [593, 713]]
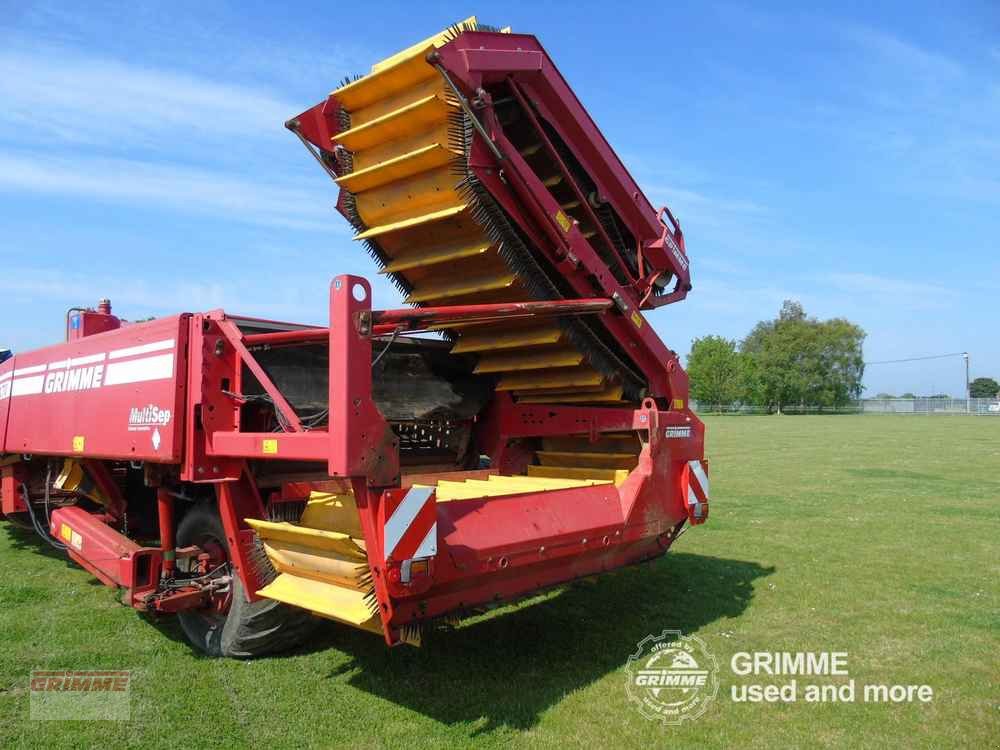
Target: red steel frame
[[485, 548]]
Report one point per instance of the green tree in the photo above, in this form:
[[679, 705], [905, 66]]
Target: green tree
[[797, 360], [839, 363], [908, 395], [714, 370], [776, 352], [751, 387], [984, 388]]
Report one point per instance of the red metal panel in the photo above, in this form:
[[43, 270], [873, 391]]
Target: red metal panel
[[11, 479], [521, 529], [83, 323], [239, 501], [209, 410], [503, 547], [113, 395], [500, 548], [318, 124], [94, 545], [277, 446], [361, 442], [502, 584]]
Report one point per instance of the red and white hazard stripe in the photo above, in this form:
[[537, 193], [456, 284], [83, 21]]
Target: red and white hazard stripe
[[696, 482], [410, 530]]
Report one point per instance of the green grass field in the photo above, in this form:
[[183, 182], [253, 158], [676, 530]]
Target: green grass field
[[879, 536]]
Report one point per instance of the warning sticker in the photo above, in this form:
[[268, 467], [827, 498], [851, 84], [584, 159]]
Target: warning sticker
[[563, 221]]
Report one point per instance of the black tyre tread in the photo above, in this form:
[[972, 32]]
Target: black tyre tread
[[250, 629], [287, 629]]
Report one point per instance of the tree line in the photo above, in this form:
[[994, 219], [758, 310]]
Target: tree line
[[793, 360]]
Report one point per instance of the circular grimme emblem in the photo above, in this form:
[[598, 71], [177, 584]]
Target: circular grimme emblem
[[672, 677]]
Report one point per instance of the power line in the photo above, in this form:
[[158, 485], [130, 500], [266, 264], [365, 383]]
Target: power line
[[916, 359]]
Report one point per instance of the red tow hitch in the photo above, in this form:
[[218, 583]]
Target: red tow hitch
[[147, 574], [113, 558]]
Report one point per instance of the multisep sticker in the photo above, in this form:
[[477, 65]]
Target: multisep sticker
[[145, 418], [150, 417]]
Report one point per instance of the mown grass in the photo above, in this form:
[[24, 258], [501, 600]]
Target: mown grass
[[872, 535]]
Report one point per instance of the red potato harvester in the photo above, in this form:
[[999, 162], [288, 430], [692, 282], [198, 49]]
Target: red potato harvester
[[249, 474]]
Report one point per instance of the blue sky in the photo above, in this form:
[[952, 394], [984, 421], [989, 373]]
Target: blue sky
[[847, 156]]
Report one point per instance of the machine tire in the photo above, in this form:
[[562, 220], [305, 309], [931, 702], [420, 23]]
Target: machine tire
[[248, 629]]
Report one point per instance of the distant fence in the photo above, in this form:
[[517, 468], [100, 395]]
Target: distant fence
[[957, 406], [853, 408], [980, 406]]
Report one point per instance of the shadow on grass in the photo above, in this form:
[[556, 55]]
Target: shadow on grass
[[505, 670], [24, 538], [894, 474], [913, 476]]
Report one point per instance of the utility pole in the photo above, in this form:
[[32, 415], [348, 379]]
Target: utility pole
[[968, 389]]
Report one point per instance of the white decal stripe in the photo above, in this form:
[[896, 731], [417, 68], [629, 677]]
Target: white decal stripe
[[692, 498], [29, 370], [428, 547], [27, 386], [131, 351], [87, 360], [6, 375], [403, 516], [140, 370], [699, 472]]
